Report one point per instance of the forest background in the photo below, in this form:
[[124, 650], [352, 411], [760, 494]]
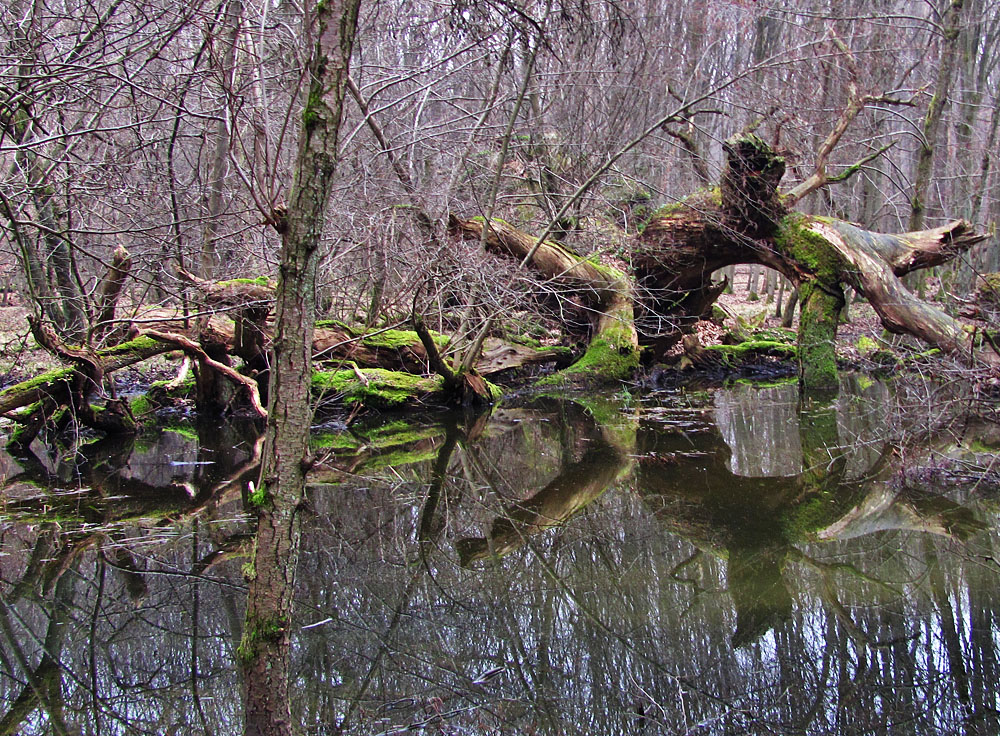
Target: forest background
[[169, 130]]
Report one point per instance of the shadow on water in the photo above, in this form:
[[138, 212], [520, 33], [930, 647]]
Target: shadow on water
[[727, 561]]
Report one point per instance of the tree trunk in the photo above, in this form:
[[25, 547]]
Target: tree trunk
[[264, 649], [613, 353], [939, 101]]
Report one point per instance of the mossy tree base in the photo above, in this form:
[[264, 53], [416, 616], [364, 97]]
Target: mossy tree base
[[606, 292], [817, 340]]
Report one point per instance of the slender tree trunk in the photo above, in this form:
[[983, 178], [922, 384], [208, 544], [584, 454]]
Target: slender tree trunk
[[932, 121], [220, 155], [265, 645]]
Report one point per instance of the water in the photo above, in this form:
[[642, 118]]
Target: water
[[724, 561]]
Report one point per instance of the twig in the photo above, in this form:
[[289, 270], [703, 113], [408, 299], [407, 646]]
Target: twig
[[190, 346]]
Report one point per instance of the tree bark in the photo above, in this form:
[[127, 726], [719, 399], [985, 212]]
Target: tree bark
[[264, 649]]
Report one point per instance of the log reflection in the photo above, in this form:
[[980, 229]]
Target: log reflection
[[579, 482]]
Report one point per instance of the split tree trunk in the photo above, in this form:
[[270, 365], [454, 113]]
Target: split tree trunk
[[746, 221]]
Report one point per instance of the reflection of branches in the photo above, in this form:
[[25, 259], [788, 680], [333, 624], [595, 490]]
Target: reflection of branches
[[825, 568], [43, 683], [676, 570], [828, 594], [383, 649]]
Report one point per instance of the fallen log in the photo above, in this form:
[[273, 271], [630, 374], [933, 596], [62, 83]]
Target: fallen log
[[56, 381], [746, 220], [613, 352]]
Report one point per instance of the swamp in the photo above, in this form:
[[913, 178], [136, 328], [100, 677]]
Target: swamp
[[499, 367], [731, 559]]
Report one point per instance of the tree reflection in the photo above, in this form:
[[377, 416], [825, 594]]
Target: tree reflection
[[582, 566]]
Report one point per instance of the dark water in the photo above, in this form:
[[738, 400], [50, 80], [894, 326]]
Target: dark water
[[718, 562]]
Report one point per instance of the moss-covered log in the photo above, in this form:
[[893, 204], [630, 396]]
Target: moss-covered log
[[55, 383], [613, 353], [746, 221]]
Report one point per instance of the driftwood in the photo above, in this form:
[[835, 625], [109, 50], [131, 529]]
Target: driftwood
[[192, 348]]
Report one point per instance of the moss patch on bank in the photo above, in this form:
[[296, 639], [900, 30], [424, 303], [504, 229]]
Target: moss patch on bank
[[379, 389], [740, 353], [607, 360]]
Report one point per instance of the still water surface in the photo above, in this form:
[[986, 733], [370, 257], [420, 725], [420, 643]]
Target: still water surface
[[686, 562]]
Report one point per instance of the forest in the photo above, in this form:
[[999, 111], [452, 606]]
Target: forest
[[317, 215]]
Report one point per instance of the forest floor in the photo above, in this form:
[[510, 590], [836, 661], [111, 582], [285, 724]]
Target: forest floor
[[863, 320]]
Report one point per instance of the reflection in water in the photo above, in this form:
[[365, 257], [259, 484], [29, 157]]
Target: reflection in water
[[730, 562], [760, 425]]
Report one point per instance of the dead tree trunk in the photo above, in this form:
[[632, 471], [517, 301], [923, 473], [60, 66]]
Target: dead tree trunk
[[613, 353], [746, 220]]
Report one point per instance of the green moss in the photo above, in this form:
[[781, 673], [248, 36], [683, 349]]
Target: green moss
[[19, 434], [53, 376], [336, 441], [820, 508], [776, 334], [335, 324], [615, 417], [385, 389], [862, 382], [759, 384], [140, 405], [496, 392], [259, 497], [310, 113], [398, 458], [795, 240], [611, 273], [397, 339], [866, 346], [990, 282], [139, 344], [482, 220], [259, 281], [185, 431], [979, 447], [749, 348], [391, 434], [698, 201], [527, 340], [610, 357], [817, 511], [820, 313], [268, 630], [183, 390]]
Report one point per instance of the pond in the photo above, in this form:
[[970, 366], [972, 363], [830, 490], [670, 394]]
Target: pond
[[721, 561]]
